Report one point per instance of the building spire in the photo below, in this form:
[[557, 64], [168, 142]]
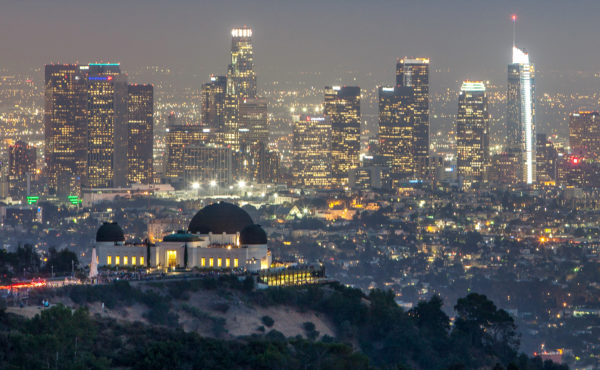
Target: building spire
[[514, 20]]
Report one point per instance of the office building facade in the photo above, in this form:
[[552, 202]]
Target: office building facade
[[342, 107], [472, 135], [140, 133], [414, 73]]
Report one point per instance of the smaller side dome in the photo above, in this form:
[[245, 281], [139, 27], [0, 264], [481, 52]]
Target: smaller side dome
[[110, 232], [252, 235]]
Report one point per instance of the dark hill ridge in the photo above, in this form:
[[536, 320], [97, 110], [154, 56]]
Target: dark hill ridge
[[373, 325]]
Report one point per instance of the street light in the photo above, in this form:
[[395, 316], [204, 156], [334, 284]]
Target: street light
[[196, 186]]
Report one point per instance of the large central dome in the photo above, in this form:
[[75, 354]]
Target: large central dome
[[220, 218]]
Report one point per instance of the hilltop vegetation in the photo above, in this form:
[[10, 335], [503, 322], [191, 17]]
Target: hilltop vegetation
[[369, 331]]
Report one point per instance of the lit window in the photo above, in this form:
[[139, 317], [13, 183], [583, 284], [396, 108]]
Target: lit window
[[235, 262], [219, 262], [141, 260], [125, 260], [210, 262], [118, 258], [203, 262], [227, 262], [109, 260], [133, 261]]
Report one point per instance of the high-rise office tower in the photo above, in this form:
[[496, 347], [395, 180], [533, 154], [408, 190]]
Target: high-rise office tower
[[265, 164], [342, 107], [178, 138], [396, 131], [584, 134], [520, 115], [311, 151], [414, 72], [547, 160], [504, 169], [65, 127], [253, 123], [107, 126], [140, 133], [213, 103], [209, 165], [241, 78], [472, 135], [21, 168], [231, 133]]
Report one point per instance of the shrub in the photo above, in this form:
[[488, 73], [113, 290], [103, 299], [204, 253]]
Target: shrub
[[268, 321]]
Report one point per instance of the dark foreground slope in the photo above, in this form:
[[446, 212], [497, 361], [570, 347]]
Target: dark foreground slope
[[371, 331]]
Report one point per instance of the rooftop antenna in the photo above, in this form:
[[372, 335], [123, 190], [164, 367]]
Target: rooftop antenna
[[514, 20]]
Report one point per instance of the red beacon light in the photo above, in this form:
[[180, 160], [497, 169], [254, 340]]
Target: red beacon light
[[575, 160]]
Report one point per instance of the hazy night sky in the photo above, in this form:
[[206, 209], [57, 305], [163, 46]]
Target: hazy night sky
[[472, 38]]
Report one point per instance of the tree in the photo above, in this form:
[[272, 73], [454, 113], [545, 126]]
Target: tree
[[430, 318], [485, 327], [62, 261]]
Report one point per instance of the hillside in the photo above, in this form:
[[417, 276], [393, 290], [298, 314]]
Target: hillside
[[332, 323]]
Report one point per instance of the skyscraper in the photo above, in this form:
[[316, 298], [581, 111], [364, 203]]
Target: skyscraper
[[140, 133], [178, 138], [414, 73], [311, 151], [396, 131], [231, 132], [584, 134], [213, 103], [21, 167], [253, 123], [241, 78], [472, 135], [107, 126], [547, 160], [207, 165], [65, 127], [520, 115], [342, 107]]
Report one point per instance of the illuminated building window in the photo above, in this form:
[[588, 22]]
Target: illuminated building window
[[118, 260], [219, 262], [109, 260], [210, 262], [141, 260], [227, 262], [133, 260], [125, 260], [203, 262], [235, 262]]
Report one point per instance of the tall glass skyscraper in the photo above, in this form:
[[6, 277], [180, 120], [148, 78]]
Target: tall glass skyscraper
[[311, 151], [107, 126], [140, 133], [472, 135], [241, 78], [414, 73], [520, 115], [396, 131], [65, 127], [213, 103], [342, 107]]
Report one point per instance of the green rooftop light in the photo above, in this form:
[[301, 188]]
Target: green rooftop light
[[74, 199]]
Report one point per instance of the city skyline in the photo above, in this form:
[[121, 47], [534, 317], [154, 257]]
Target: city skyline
[[180, 45]]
